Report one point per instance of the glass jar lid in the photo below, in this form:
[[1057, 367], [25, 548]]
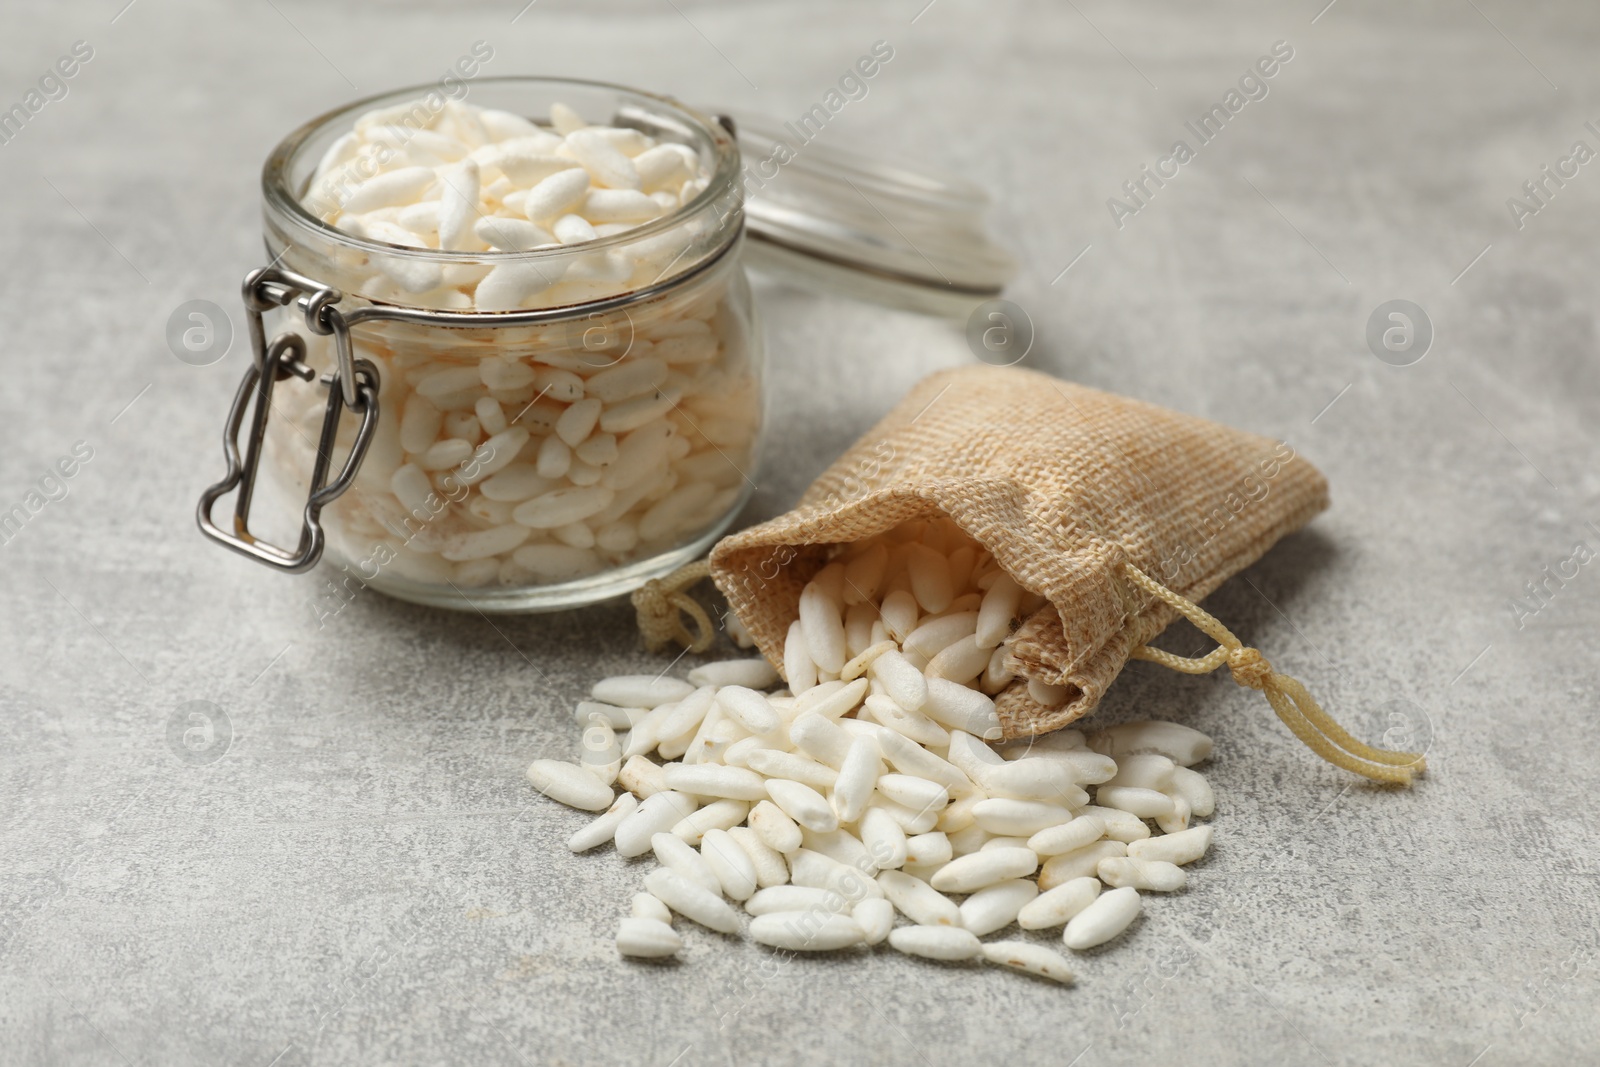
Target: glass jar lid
[[846, 221]]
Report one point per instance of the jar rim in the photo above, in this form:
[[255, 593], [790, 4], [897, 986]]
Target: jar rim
[[281, 199]]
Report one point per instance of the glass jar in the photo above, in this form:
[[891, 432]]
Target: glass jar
[[593, 416], [603, 431]]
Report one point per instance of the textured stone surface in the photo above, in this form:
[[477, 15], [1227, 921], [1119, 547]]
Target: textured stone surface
[[364, 876]]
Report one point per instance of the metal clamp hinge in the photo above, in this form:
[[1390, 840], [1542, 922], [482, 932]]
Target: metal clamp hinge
[[353, 385]]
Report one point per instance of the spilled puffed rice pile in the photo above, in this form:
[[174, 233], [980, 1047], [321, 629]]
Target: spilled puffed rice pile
[[870, 787]]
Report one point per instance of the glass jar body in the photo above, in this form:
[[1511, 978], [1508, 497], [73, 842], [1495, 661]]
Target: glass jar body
[[602, 432]]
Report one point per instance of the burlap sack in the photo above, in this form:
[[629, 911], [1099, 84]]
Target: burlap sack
[[1121, 514]]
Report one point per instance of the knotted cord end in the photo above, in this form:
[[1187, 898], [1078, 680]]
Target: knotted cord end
[[1249, 667], [662, 603], [1290, 700]]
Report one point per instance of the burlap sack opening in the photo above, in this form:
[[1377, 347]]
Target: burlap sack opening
[[1120, 513]]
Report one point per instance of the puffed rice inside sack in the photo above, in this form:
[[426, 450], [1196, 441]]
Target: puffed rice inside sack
[[1121, 514]]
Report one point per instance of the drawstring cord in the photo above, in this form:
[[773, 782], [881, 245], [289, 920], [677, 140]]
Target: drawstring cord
[[662, 604], [1297, 708]]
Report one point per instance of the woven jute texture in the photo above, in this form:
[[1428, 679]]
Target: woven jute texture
[[1063, 485]]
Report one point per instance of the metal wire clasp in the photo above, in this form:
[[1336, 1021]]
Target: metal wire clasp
[[353, 385]]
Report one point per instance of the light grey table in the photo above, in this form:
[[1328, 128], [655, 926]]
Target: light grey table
[[364, 876]]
